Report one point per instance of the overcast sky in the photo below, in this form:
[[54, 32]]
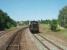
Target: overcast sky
[[32, 9]]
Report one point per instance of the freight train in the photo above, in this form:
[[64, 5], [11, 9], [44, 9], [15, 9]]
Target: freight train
[[34, 26]]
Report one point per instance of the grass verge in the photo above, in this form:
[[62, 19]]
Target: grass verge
[[60, 34]]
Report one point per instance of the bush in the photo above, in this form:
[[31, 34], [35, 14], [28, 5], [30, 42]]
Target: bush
[[53, 25]]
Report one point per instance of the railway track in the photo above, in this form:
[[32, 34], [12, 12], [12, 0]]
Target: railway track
[[11, 40], [47, 43], [31, 42], [7, 31], [3, 32], [15, 42], [54, 42]]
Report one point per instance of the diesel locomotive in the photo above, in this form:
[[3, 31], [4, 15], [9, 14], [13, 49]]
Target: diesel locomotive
[[34, 26]]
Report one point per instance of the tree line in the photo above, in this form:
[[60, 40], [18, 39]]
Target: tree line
[[54, 23], [5, 21], [61, 21]]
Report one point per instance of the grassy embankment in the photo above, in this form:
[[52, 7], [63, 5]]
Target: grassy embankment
[[60, 34]]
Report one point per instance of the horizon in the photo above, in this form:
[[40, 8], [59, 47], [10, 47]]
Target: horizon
[[21, 10]]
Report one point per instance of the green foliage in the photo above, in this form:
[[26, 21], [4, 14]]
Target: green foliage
[[5, 21], [53, 25], [26, 22], [62, 18], [45, 21], [23, 22]]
